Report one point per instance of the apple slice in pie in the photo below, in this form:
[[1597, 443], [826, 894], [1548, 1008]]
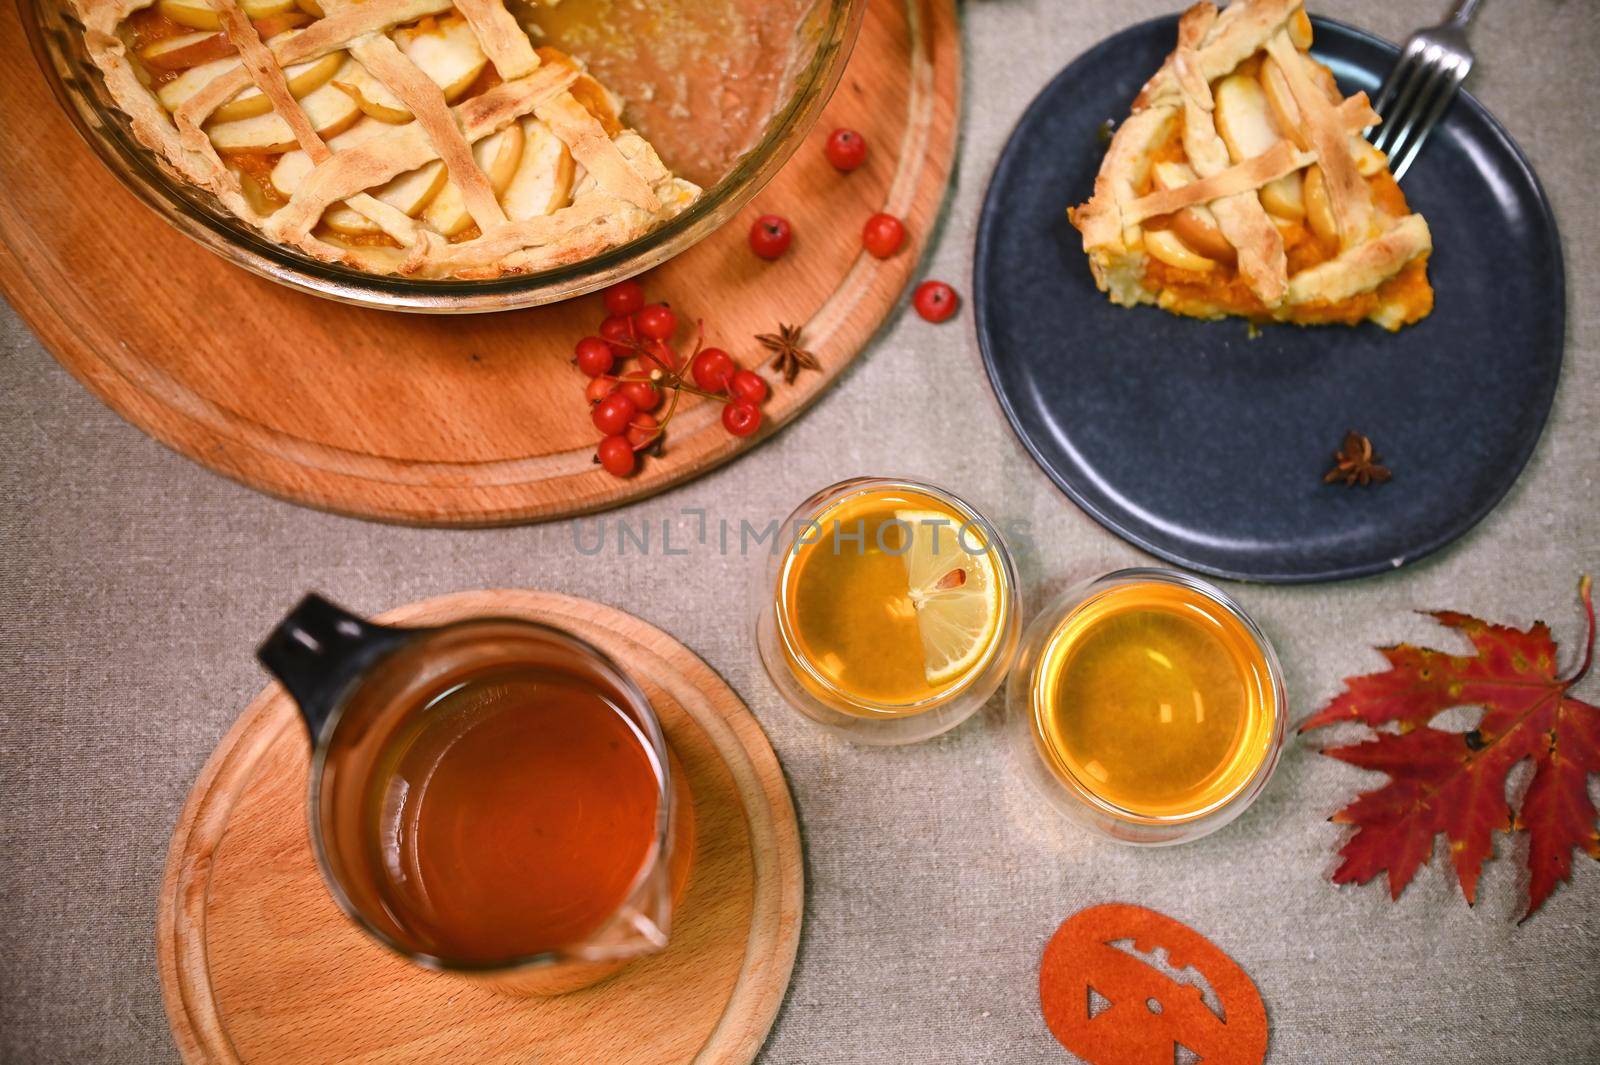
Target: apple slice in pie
[[1242, 184]]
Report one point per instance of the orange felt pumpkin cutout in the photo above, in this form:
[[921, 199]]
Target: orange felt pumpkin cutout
[[1148, 1012]]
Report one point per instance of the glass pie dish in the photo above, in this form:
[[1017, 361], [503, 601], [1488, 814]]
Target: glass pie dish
[[824, 33]]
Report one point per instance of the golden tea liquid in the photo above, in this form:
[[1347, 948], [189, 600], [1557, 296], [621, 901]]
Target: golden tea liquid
[[1155, 698], [512, 816], [894, 601]]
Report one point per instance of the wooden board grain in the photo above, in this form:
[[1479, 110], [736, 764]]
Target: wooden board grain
[[464, 420], [258, 964]]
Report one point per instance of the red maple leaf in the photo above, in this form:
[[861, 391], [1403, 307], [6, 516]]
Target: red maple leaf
[[1455, 782]]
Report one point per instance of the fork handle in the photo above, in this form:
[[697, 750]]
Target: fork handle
[[1461, 12]]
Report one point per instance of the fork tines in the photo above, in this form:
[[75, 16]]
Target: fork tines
[[1416, 93]]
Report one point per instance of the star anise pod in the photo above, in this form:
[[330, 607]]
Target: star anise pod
[[789, 357], [1356, 463]]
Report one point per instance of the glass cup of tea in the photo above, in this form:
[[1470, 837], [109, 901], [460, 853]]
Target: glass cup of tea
[[888, 610], [1147, 706], [492, 797]]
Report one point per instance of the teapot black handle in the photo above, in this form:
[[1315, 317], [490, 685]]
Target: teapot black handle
[[318, 650]]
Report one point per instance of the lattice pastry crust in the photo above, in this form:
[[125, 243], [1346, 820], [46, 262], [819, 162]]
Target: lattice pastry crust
[[1242, 184], [427, 138]]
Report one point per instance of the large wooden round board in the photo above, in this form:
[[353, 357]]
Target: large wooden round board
[[462, 420], [258, 964]]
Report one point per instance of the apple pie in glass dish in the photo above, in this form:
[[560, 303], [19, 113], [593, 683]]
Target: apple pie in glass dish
[[1242, 184], [443, 154]]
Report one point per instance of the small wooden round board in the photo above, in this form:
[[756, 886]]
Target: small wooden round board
[[465, 420], [258, 964]]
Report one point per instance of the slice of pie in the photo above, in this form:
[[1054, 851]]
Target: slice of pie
[[427, 138], [1242, 184]]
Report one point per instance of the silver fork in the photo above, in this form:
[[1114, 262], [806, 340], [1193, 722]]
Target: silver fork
[[1432, 66]]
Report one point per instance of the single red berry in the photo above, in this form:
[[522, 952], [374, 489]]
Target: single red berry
[[643, 430], [657, 322], [619, 329], [640, 392], [612, 414], [935, 300], [748, 385], [624, 297], [712, 368], [594, 356], [770, 236], [616, 455], [883, 235], [741, 417], [599, 389], [846, 149]]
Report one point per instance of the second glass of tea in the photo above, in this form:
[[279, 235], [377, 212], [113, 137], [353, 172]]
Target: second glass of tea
[[1147, 706], [888, 611]]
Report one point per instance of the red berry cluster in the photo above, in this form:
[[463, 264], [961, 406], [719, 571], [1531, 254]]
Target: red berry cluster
[[882, 236], [622, 402]]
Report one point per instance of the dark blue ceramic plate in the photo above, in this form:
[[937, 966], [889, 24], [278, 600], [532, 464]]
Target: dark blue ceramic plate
[[1208, 448]]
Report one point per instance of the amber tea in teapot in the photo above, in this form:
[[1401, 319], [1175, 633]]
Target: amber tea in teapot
[[492, 795]]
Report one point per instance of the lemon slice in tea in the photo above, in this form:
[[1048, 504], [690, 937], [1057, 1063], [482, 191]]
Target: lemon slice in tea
[[956, 593]]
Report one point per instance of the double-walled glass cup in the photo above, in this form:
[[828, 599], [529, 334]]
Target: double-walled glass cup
[[816, 597], [367, 692], [1146, 706]]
